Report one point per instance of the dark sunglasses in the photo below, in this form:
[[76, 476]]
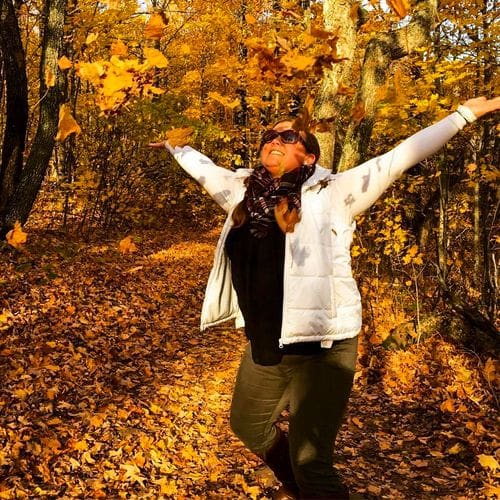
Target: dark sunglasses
[[286, 136]]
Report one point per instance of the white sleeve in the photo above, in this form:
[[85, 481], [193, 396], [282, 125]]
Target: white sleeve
[[219, 182], [361, 186]]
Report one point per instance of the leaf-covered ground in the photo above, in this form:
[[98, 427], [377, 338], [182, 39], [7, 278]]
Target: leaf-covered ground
[[109, 390]]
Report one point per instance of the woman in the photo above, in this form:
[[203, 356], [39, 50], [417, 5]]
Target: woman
[[282, 264]]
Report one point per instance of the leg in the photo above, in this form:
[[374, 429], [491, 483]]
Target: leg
[[319, 393], [258, 399]]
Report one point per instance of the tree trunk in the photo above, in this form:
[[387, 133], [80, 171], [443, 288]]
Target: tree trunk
[[20, 203], [380, 52], [337, 16], [14, 71]]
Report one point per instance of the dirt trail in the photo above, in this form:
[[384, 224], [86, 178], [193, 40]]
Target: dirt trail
[[110, 391]]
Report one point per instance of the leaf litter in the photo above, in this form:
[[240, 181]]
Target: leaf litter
[[110, 391]]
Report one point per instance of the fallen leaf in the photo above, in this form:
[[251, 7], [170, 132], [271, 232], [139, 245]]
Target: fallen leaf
[[488, 461], [127, 245], [16, 236]]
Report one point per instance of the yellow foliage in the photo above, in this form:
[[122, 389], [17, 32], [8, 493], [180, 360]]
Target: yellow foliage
[[155, 58], [118, 48]]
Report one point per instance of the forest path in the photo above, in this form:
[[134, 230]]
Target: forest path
[[110, 391]]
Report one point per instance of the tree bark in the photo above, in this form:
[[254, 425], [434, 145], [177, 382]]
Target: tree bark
[[380, 52], [20, 203], [338, 17], [14, 71]]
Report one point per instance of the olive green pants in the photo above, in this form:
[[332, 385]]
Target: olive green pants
[[316, 388]]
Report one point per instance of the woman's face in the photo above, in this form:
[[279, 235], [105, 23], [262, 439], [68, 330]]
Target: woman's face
[[279, 157]]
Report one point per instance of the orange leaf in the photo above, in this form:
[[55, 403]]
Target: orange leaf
[[155, 28], [16, 237], [400, 7], [64, 63], [67, 124], [118, 48], [127, 245], [249, 19], [179, 136]]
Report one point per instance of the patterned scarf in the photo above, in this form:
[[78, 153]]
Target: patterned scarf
[[264, 192]]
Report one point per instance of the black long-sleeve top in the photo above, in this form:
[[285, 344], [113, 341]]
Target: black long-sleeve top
[[257, 272]]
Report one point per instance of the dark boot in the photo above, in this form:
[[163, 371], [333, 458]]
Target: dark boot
[[277, 458]]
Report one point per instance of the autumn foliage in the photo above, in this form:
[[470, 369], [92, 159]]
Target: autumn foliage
[[108, 389]]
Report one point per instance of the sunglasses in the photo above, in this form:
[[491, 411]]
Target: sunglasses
[[286, 136]]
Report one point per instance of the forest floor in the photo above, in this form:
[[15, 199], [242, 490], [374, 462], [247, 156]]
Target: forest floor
[[109, 390]]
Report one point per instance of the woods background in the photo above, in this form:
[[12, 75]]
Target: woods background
[[84, 86]]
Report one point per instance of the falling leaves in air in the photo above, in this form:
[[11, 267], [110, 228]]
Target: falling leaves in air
[[399, 7], [155, 58], [179, 136], [67, 124], [64, 63], [155, 28]]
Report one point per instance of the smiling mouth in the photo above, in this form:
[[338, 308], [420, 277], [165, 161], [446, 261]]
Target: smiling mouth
[[276, 152]]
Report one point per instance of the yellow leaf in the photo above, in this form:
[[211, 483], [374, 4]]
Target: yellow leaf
[[81, 445], [114, 83], [455, 449], [67, 124], [155, 58], [16, 236], [488, 462], [5, 319], [179, 136], [491, 371], [225, 101], [127, 245], [91, 71], [118, 48], [185, 49], [50, 78], [22, 394], [491, 491], [92, 37], [167, 487], [155, 28], [64, 63]]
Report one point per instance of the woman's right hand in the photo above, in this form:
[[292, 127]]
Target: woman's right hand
[[158, 145]]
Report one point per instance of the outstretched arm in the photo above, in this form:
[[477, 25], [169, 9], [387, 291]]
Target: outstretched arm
[[361, 186], [219, 182]]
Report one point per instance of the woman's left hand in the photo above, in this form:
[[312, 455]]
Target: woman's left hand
[[481, 106]]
